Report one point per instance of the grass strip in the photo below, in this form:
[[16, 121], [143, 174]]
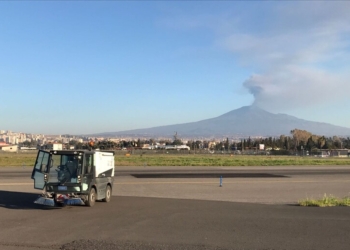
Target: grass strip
[[224, 160], [17, 159], [326, 201], [28, 159]]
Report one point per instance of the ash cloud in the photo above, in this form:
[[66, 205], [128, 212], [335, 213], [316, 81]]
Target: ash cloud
[[294, 87], [302, 56]]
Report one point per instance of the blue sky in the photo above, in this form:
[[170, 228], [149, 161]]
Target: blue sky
[[89, 67]]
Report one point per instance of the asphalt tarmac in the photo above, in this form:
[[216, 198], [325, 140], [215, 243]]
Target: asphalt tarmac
[[184, 208]]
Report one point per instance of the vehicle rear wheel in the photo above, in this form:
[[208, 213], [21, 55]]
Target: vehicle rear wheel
[[91, 198], [108, 194]]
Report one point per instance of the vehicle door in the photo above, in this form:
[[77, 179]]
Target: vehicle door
[[88, 172], [40, 169], [101, 183]]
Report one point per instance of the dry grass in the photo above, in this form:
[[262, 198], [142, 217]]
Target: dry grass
[[224, 160], [17, 159], [28, 159], [326, 201]]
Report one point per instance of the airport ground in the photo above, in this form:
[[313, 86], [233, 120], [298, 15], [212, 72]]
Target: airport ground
[[184, 208]]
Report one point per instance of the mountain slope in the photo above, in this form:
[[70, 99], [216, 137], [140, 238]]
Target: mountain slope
[[245, 121]]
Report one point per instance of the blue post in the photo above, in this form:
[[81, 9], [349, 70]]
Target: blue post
[[220, 181]]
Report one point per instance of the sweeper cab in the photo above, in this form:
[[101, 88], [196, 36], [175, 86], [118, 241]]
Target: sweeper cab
[[73, 177]]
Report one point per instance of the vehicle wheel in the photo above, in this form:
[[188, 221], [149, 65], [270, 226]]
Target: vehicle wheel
[[108, 194], [91, 198]]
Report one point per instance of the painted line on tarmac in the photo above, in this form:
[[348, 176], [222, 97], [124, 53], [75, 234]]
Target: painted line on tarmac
[[195, 182], [16, 184], [226, 182]]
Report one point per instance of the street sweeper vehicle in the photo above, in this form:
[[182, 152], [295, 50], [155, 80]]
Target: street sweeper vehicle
[[73, 177]]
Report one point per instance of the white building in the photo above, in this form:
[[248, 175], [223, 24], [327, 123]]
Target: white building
[[8, 148], [54, 146]]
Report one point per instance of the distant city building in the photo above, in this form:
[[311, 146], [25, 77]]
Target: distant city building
[[8, 148], [27, 148], [54, 146], [177, 147]]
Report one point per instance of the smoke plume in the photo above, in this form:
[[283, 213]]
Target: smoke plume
[[301, 56]]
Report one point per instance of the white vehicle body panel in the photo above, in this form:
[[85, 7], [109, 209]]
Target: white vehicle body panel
[[104, 162]]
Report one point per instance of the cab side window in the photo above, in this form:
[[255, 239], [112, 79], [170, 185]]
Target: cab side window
[[88, 164]]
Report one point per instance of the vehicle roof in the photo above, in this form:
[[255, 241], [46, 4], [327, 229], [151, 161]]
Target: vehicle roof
[[80, 151]]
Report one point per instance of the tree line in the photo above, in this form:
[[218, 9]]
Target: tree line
[[297, 140]]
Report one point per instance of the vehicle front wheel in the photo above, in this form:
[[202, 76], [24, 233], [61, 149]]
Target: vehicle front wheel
[[108, 194], [91, 198]]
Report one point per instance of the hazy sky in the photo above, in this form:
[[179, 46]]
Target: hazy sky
[[89, 67]]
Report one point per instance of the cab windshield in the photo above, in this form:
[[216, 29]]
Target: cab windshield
[[65, 168]]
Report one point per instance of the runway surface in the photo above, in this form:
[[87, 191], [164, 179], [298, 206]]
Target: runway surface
[[184, 208]]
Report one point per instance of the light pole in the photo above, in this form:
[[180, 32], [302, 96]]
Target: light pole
[[302, 148]]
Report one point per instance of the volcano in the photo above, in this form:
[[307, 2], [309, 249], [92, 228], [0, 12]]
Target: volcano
[[243, 122]]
